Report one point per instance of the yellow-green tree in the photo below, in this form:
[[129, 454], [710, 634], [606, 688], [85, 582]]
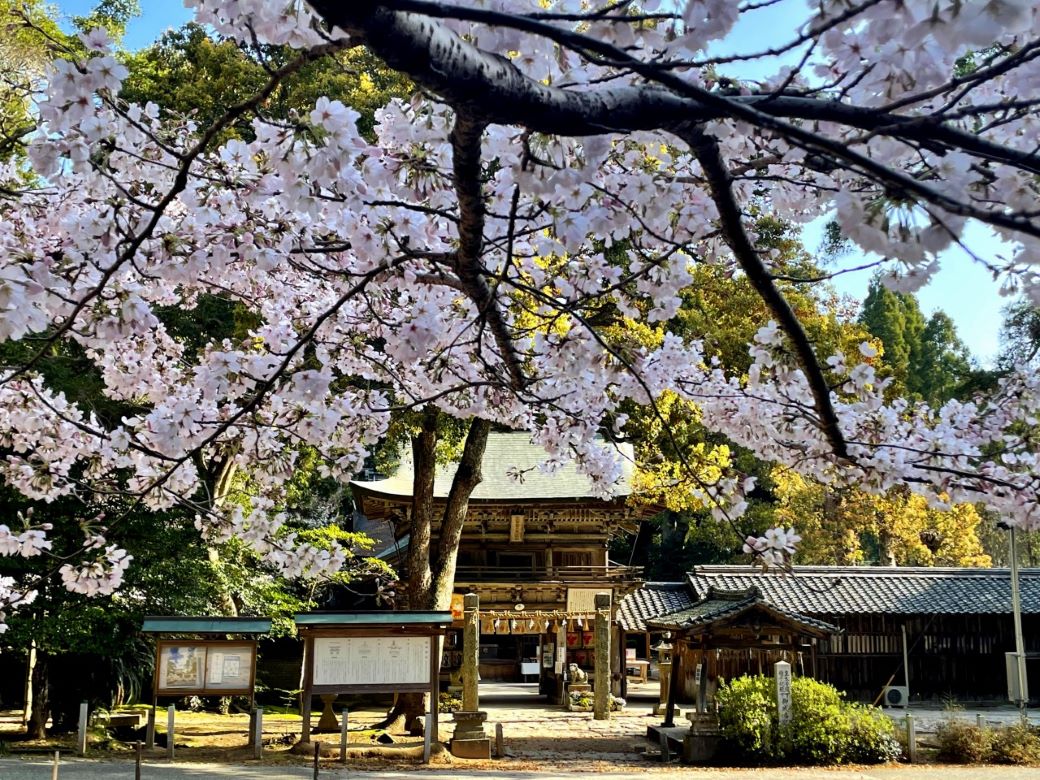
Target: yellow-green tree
[[852, 527]]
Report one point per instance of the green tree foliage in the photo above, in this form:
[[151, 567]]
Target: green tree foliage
[[723, 309], [925, 357], [110, 15], [1020, 335], [190, 72], [91, 648], [27, 32]]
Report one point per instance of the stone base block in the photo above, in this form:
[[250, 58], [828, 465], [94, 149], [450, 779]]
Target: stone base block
[[471, 748], [469, 725], [700, 748]]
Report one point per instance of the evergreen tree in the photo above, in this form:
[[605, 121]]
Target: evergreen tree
[[925, 357]]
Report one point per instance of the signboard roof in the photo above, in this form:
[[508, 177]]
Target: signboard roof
[[206, 625], [357, 619]]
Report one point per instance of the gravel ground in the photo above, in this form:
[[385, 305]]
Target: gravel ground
[[540, 741], [15, 769]]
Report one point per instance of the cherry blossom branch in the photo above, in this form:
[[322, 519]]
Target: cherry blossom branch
[[180, 181], [717, 174]]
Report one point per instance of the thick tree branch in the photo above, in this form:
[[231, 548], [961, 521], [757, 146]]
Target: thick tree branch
[[706, 149], [492, 88], [465, 145], [489, 87]]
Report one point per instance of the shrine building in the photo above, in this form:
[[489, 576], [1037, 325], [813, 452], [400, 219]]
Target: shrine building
[[534, 549]]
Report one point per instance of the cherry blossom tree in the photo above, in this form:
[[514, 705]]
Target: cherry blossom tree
[[459, 260]]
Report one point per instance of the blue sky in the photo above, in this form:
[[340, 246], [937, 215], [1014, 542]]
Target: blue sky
[[962, 288]]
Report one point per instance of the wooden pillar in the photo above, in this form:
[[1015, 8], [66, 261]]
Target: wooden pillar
[[673, 683], [617, 659], [561, 641], [622, 650], [435, 689], [305, 694]]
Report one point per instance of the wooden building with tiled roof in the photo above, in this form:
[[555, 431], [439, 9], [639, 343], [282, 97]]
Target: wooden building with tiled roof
[[957, 623]]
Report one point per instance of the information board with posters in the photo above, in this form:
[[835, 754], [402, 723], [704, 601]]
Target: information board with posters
[[205, 668], [371, 660]]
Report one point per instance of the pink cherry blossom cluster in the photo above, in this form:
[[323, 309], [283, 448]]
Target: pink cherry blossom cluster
[[774, 547], [348, 252]]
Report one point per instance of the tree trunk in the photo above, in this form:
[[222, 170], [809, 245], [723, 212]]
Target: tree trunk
[[40, 709], [467, 477], [424, 469], [430, 582]]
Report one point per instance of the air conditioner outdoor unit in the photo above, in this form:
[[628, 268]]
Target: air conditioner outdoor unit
[[895, 696]]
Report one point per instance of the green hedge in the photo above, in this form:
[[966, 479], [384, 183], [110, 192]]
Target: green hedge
[[824, 728]]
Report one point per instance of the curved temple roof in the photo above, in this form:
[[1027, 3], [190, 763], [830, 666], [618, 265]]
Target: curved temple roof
[[507, 453]]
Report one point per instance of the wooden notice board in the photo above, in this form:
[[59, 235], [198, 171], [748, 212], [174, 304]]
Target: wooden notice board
[[210, 667], [371, 652]]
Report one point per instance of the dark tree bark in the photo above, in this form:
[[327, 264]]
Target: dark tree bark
[[36, 728], [432, 578]]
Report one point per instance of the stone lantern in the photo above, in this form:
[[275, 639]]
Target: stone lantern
[[664, 669]]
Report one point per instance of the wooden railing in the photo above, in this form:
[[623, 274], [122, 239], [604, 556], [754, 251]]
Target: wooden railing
[[551, 573]]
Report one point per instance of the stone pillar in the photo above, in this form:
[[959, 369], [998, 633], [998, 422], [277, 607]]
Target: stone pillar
[[469, 739], [601, 691], [782, 675], [470, 652]]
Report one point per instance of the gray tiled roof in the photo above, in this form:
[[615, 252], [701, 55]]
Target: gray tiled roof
[[506, 453], [652, 600], [719, 604], [840, 590]]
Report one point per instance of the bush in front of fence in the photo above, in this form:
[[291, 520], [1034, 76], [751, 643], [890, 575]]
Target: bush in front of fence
[[824, 727], [961, 742]]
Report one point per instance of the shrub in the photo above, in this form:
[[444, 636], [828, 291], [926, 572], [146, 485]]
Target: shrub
[[824, 728], [448, 702], [820, 730], [962, 743], [1017, 744], [873, 736], [747, 711]]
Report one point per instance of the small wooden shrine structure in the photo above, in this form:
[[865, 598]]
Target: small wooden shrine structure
[[721, 630]]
